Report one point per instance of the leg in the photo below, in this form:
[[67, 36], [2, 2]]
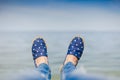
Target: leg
[[75, 51], [44, 71], [40, 57]]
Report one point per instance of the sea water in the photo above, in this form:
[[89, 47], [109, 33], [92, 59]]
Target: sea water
[[101, 54]]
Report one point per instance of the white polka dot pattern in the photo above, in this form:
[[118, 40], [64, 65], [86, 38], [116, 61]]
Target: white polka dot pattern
[[76, 47], [39, 48]]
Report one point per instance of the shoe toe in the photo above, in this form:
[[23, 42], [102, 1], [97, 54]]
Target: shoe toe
[[39, 48], [76, 47]]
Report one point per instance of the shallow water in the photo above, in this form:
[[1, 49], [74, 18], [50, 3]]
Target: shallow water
[[101, 54]]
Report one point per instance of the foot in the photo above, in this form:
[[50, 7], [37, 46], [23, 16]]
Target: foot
[[39, 52], [75, 50]]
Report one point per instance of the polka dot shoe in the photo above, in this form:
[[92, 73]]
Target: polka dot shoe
[[76, 47], [39, 48]]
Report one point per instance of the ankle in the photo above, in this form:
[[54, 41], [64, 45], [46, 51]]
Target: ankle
[[71, 58], [40, 60]]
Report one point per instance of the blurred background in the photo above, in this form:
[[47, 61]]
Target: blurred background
[[58, 21]]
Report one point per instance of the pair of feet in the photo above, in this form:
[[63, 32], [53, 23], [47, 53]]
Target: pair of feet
[[39, 51]]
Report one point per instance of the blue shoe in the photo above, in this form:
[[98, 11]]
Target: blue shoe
[[76, 47], [39, 48]]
